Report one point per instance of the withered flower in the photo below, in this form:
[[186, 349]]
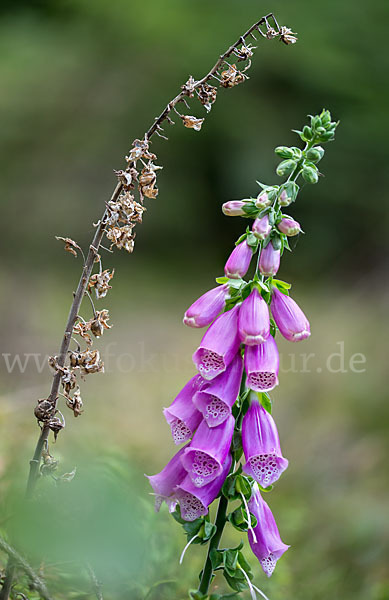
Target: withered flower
[[56, 423], [287, 35], [231, 77], [122, 237], [192, 122], [140, 150], [91, 362], [189, 86], [147, 181], [207, 95], [100, 283], [131, 211], [100, 322], [70, 245], [271, 33], [125, 178], [81, 328], [68, 379], [75, 403], [244, 52]]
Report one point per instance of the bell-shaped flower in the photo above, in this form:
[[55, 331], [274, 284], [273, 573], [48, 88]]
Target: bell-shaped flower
[[289, 317], [219, 345], [165, 482], [217, 398], [289, 226], [254, 320], [234, 208], [262, 363], [182, 415], [268, 547], [261, 228], [206, 308], [204, 457], [239, 261], [194, 501], [269, 260], [261, 445]]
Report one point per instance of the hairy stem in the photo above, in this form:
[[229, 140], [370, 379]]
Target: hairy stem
[[16, 560], [220, 521]]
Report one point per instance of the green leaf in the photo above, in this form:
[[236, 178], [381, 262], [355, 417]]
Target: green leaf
[[276, 241], [195, 595], [266, 402], [252, 241], [192, 528], [282, 286], [216, 557], [209, 530], [222, 280], [241, 239], [244, 564], [238, 582], [230, 561]]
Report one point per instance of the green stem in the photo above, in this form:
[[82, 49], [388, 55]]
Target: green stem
[[220, 521]]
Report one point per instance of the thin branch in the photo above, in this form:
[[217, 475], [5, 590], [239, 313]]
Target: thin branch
[[17, 560], [95, 582]]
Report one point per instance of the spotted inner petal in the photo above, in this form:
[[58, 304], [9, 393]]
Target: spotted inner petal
[[191, 507], [268, 564], [216, 411], [203, 466], [262, 380], [265, 468], [180, 432], [210, 361]]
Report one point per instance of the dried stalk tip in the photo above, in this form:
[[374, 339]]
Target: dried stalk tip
[[70, 245], [231, 77], [192, 122]]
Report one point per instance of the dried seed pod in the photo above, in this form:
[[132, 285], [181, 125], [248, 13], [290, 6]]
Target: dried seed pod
[[56, 424], [70, 245], [287, 36], [91, 362], [100, 283], [75, 403], [44, 410], [207, 95]]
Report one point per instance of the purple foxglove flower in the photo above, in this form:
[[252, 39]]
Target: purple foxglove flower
[[289, 226], [217, 398], [289, 317], [239, 261], [166, 481], [261, 228], [261, 445], [262, 200], [233, 208], [269, 547], [204, 457], [194, 501], [269, 261], [262, 363], [254, 321], [182, 415], [219, 345], [207, 307]]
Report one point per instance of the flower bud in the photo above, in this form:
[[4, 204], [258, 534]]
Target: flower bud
[[261, 228], [269, 261], [239, 261], [307, 133], [289, 317], [206, 308], [310, 174], [233, 208], [286, 167], [315, 154], [263, 200], [289, 226], [254, 323], [284, 152], [284, 199]]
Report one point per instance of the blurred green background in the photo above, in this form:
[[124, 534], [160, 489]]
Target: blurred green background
[[79, 81]]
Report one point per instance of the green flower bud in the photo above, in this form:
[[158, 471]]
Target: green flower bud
[[320, 130], [326, 137], [325, 117], [307, 133], [310, 174], [297, 153], [315, 154], [284, 152], [315, 122], [286, 167], [288, 193]]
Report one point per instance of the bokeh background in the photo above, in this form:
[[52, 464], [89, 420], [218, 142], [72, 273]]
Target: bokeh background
[[79, 81]]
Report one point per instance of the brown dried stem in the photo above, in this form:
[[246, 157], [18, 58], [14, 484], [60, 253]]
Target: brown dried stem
[[96, 243]]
